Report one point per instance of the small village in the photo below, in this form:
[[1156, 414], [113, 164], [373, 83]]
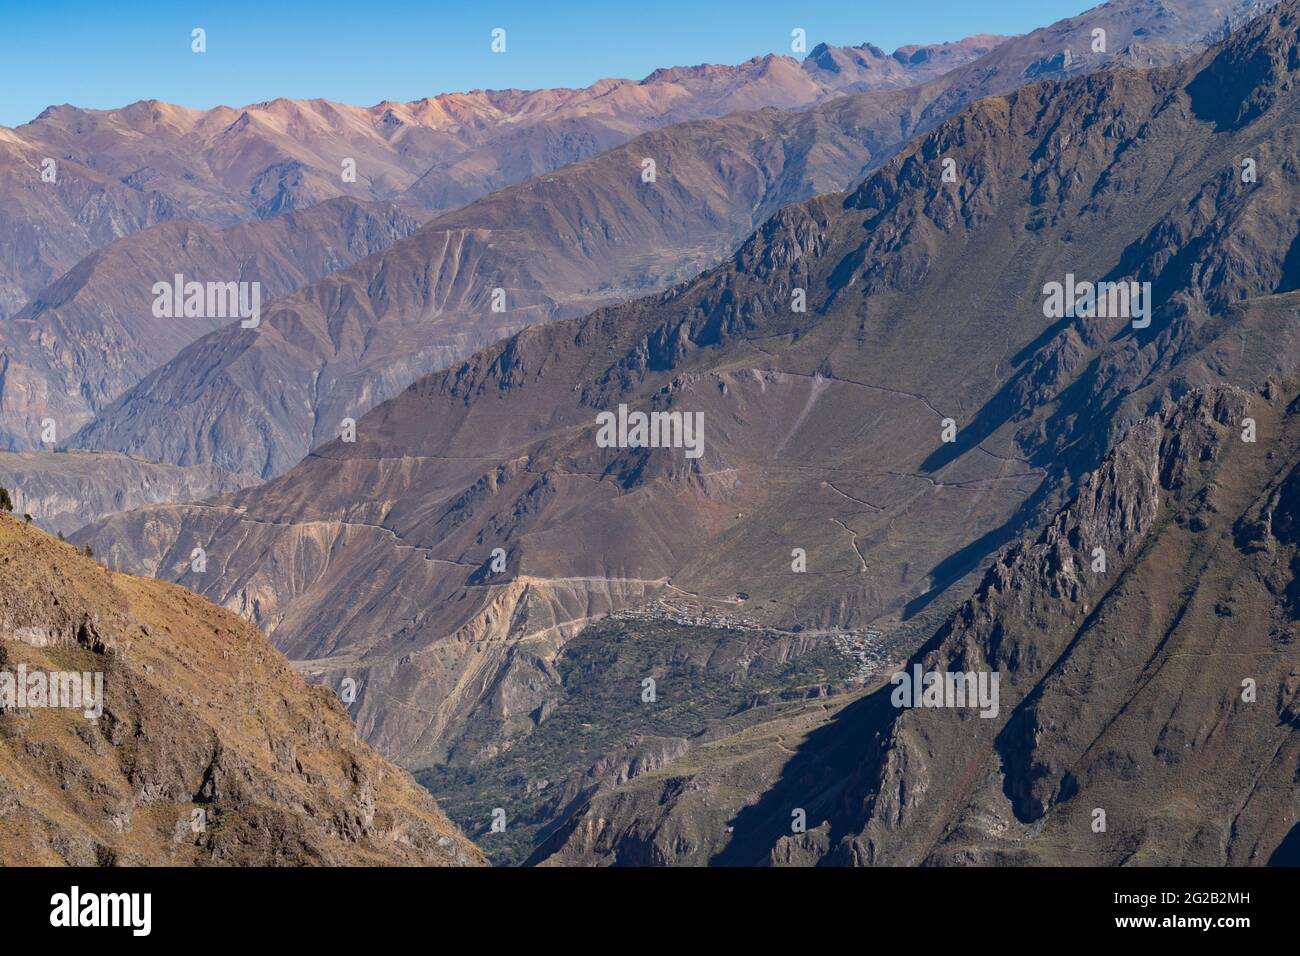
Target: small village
[[863, 646]]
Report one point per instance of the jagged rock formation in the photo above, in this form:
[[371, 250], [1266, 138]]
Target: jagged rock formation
[[562, 244], [1116, 686], [64, 491], [209, 748], [1158, 691], [1122, 690]]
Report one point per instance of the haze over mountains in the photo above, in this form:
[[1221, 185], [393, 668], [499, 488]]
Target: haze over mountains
[[824, 433], [92, 334], [562, 244], [121, 170], [64, 491]]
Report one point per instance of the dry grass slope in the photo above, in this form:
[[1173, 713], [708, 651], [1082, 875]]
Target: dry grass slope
[[201, 713]]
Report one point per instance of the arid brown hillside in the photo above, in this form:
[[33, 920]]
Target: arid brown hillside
[[209, 750], [566, 242]]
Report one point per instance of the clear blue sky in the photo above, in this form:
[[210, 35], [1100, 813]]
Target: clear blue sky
[[107, 53]]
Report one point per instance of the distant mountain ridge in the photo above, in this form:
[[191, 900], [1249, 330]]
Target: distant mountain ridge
[[86, 338], [124, 169], [562, 244], [64, 491]]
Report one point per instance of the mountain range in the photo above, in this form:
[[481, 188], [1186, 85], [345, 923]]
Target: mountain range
[[559, 245], [90, 334], [615, 462], [907, 459], [121, 170], [94, 333]]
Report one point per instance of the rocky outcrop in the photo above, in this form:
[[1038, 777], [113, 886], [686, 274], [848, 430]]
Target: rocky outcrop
[[207, 748], [1127, 693]]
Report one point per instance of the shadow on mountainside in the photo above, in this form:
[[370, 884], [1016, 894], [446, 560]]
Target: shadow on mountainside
[[814, 779], [965, 560], [1288, 851], [832, 776]]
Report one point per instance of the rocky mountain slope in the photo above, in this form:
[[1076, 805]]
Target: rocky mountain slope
[[49, 227], [1128, 691], [64, 491], [117, 171], [823, 441], [1123, 690], [209, 749], [256, 401], [91, 334], [564, 243], [824, 429], [1148, 705]]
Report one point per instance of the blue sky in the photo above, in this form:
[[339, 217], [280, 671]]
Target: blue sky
[[109, 53]]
